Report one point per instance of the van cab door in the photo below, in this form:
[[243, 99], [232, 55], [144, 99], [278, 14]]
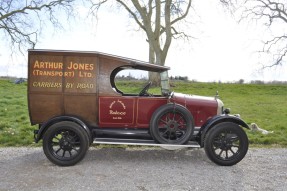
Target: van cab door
[[128, 111], [117, 111]]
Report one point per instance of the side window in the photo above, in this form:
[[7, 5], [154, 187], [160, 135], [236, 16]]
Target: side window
[[132, 82]]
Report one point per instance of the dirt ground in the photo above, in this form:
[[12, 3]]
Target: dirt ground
[[142, 169]]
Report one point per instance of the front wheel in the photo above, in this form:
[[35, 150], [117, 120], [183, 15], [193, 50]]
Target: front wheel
[[171, 124], [226, 144], [65, 143]]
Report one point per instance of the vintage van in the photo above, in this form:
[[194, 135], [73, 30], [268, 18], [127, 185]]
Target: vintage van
[[73, 97]]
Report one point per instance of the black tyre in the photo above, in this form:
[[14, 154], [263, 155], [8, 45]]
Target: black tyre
[[226, 144], [65, 143], [171, 124]]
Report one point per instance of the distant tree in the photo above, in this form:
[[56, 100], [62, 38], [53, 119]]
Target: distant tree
[[241, 81], [257, 82], [22, 21]]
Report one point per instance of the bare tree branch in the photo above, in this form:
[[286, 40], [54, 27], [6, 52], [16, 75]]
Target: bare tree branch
[[277, 47], [133, 13], [271, 13], [159, 20], [21, 21], [182, 14], [96, 6]]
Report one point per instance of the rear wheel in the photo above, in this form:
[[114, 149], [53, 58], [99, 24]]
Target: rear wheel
[[65, 143], [171, 124], [226, 144]]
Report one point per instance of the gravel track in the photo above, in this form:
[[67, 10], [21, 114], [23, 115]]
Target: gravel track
[[142, 169]]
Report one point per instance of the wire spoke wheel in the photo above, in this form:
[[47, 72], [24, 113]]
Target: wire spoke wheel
[[172, 124], [226, 144]]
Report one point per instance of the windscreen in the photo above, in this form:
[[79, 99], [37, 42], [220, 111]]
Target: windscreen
[[164, 83]]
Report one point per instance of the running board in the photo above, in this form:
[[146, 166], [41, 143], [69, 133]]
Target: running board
[[141, 142]]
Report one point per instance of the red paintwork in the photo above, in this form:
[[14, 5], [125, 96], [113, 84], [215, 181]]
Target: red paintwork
[[136, 112], [128, 111], [202, 108]]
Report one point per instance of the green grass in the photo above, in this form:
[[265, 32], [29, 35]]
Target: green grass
[[265, 105], [15, 128]]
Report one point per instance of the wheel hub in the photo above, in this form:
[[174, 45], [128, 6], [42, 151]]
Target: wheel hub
[[172, 126], [65, 144], [226, 144]]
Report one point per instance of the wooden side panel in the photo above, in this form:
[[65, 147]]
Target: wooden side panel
[[45, 73], [83, 72], [106, 68], [83, 106], [44, 107], [62, 84]]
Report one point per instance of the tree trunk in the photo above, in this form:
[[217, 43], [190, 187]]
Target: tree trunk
[[157, 19], [154, 77]]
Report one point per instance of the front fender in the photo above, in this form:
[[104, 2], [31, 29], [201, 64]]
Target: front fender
[[216, 120], [39, 133]]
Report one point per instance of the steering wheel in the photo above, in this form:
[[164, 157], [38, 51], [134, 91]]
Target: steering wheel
[[145, 89]]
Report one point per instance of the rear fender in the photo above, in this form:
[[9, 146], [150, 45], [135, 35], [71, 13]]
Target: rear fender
[[216, 120], [39, 133]]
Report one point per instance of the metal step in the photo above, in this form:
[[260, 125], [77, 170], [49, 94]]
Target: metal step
[[142, 142]]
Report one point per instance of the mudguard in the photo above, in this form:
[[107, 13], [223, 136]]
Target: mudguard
[[38, 134], [219, 119]]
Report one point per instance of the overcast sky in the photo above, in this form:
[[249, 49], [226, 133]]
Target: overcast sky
[[221, 51]]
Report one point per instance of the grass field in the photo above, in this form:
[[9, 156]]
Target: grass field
[[15, 128], [265, 105]]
